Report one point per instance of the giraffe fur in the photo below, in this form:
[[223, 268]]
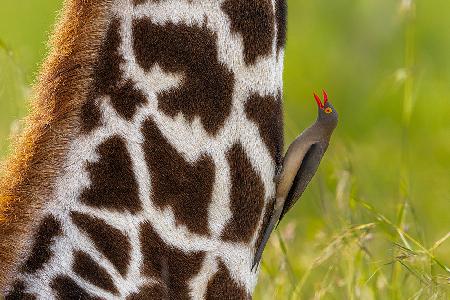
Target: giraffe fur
[[149, 161]]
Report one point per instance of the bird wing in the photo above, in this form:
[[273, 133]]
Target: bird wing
[[292, 164], [305, 173]]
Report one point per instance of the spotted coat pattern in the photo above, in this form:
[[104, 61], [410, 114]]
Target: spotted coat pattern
[[164, 191]]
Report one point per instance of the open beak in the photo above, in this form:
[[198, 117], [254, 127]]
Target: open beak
[[319, 101]]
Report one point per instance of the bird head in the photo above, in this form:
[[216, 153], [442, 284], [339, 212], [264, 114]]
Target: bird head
[[327, 115]]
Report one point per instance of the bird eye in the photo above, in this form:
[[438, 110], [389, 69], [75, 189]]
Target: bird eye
[[328, 110]]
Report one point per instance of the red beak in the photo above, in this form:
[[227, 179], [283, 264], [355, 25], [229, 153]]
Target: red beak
[[319, 103], [325, 97]]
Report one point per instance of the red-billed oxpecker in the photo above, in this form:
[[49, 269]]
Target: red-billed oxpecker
[[300, 164]]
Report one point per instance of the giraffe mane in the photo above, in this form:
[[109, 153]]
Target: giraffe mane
[[27, 176]]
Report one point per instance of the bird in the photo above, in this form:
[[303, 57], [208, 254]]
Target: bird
[[300, 163]]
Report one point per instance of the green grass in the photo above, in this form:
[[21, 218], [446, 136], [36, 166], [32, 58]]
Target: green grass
[[375, 221]]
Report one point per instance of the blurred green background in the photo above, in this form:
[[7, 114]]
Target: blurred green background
[[375, 220]]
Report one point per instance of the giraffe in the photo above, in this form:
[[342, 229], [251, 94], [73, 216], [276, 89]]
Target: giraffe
[[146, 169]]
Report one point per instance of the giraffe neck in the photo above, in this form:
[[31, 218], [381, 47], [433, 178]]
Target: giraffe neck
[[164, 188]]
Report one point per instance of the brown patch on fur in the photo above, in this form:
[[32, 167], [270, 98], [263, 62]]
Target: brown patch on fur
[[41, 251], [172, 267], [85, 267], [126, 99], [90, 114], [108, 78], [150, 292], [108, 240], [137, 2], [267, 114], [281, 17], [113, 184], [207, 87], [67, 289], [18, 293], [247, 197], [223, 283], [183, 186], [28, 176], [106, 75], [254, 20]]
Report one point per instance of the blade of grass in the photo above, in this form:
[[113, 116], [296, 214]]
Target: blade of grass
[[283, 247], [439, 242], [333, 247], [385, 220]]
